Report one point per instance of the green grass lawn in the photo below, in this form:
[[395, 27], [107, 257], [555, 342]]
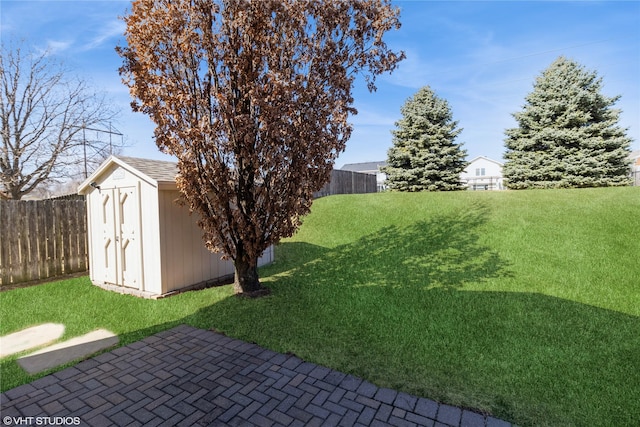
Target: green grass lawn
[[525, 305]]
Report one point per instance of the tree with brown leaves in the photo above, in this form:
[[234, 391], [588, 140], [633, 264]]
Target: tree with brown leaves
[[253, 99]]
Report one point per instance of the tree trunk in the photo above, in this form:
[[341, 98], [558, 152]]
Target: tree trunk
[[246, 279]]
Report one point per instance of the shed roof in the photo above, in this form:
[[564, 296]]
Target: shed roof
[[156, 172]]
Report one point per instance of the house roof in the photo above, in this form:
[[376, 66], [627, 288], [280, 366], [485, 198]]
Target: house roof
[[156, 172], [486, 158], [362, 167]]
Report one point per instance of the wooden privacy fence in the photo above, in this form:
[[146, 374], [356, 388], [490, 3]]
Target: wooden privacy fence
[[348, 182], [41, 239]]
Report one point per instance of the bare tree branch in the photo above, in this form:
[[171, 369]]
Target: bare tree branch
[[43, 112]]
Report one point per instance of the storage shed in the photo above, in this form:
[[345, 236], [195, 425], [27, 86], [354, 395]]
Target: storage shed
[[140, 240]]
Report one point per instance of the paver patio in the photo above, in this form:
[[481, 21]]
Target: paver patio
[[187, 376]]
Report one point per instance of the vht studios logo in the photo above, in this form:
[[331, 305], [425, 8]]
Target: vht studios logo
[[41, 421]]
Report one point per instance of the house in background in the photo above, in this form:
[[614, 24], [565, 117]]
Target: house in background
[[634, 158], [483, 173], [372, 168]]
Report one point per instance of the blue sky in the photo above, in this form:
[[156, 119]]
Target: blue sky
[[481, 56]]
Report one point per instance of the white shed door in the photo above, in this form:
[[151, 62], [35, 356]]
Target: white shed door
[[121, 234], [108, 222], [129, 248]]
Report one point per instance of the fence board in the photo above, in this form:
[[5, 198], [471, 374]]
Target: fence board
[[83, 238], [21, 244], [73, 240], [4, 232], [33, 261], [10, 239], [41, 239], [75, 227], [51, 240], [65, 237], [43, 262], [57, 239]]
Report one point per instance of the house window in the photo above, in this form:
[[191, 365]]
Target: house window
[[479, 171]]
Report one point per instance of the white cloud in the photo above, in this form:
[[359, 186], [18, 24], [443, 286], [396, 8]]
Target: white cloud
[[111, 29], [55, 47]]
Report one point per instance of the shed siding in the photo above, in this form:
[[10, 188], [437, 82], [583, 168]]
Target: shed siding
[[185, 259], [96, 270], [150, 234]]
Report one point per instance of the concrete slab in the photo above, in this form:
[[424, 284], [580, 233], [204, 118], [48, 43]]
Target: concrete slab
[[67, 351], [33, 337]]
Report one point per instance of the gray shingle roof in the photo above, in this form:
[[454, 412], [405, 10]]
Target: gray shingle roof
[[362, 167], [159, 170]]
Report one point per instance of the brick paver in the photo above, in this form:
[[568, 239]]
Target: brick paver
[[192, 377]]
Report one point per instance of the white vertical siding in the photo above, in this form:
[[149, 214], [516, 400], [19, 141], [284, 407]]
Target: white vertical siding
[[150, 236], [94, 235], [185, 259]]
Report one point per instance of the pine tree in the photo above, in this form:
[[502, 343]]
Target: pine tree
[[567, 134], [424, 155]]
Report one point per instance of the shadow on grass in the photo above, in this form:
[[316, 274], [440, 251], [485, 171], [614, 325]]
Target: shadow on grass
[[531, 359], [392, 307], [442, 251]]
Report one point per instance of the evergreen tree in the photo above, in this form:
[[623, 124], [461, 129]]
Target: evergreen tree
[[567, 134], [424, 155]]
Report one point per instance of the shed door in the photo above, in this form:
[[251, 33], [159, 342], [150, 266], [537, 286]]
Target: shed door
[[121, 234], [128, 256]]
